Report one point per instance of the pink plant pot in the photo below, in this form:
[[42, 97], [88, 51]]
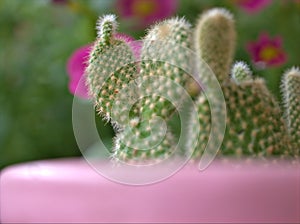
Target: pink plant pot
[[69, 190]]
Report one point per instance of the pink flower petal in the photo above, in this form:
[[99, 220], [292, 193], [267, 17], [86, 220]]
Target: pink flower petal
[[75, 67], [264, 37], [267, 51], [79, 88], [277, 41]]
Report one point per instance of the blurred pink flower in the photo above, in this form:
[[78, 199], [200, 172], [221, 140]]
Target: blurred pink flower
[[253, 6], [145, 12], [77, 64], [75, 67], [267, 51]]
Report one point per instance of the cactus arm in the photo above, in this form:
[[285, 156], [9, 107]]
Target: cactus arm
[[215, 41], [291, 95], [160, 79], [111, 67], [164, 60]]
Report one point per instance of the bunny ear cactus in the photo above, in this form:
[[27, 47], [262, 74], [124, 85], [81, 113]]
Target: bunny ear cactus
[[215, 41], [140, 94], [291, 95], [255, 126], [160, 80], [111, 67], [140, 97], [162, 67]]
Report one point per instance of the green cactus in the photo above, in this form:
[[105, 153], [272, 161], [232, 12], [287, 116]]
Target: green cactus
[[215, 41], [241, 73], [140, 98], [291, 95], [162, 67], [111, 65], [161, 93], [154, 86], [255, 126]]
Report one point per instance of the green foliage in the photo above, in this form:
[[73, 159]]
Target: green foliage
[[36, 106]]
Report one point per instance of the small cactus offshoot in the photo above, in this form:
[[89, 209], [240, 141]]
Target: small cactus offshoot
[[241, 73]]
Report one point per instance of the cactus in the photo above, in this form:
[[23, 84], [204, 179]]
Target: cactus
[[291, 96], [140, 98], [111, 65], [241, 73], [162, 66], [255, 126], [154, 86], [215, 41], [161, 78]]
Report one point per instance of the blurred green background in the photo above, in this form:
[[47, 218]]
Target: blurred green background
[[38, 36]]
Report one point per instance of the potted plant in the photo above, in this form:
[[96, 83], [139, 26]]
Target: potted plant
[[184, 76]]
